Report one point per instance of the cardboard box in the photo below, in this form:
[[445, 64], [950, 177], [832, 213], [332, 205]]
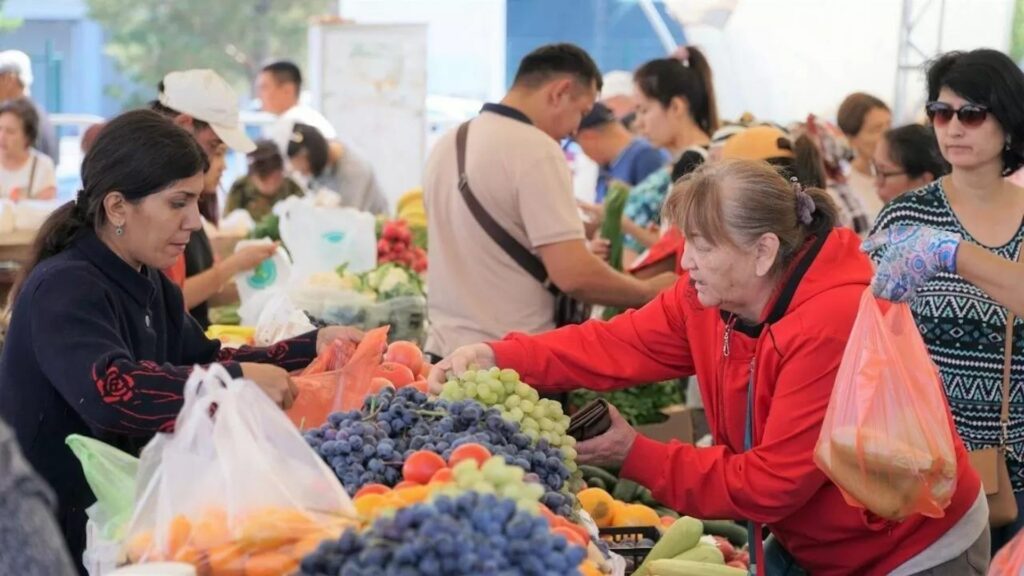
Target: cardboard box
[[679, 425]]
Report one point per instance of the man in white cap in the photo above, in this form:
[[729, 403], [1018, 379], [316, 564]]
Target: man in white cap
[[206, 105], [16, 82], [617, 94]]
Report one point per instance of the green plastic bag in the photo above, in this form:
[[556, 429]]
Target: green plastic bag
[[111, 474]]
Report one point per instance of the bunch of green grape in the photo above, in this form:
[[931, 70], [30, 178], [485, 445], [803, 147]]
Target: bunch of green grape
[[497, 477], [538, 418]]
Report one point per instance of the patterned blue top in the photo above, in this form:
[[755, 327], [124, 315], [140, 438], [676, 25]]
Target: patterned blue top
[[963, 328], [644, 203]]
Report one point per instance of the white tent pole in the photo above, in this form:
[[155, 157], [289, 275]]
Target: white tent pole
[[658, 23]]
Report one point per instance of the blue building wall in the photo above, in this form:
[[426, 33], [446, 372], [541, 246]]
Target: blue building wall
[[615, 32]]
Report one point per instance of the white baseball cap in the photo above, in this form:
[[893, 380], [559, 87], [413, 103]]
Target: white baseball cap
[[617, 83], [204, 95]]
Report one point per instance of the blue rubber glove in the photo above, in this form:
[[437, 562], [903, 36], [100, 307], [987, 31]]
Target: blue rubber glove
[[911, 257]]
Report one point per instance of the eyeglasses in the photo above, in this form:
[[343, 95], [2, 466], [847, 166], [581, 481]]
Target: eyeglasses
[[970, 115], [881, 176]]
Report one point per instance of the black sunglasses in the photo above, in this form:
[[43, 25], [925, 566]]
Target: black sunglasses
[[970, 115]]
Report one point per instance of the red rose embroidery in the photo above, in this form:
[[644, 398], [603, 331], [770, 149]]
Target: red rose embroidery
[[278, 352], [115, 386]]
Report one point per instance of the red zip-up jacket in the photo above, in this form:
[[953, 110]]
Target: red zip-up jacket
[[793, 357]]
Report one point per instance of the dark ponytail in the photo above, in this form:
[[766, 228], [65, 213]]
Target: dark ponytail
[[137, 154], [667, 78], [808, 166]]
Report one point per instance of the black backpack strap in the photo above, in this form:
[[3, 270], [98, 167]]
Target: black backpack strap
[[523, 257]]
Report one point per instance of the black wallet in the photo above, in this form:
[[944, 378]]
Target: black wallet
[[590, 421]]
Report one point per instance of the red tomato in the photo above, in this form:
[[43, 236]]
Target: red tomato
[[469, 451], [396, 373], [372, 489], [421, 466], [421, 385], [378, 384], [407, 354]]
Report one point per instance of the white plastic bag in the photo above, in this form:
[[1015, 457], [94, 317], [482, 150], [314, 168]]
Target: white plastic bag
[[234, 487], [322, 239], [275, 317], [272, 274]]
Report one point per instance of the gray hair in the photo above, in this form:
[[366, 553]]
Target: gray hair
[[18, 63]]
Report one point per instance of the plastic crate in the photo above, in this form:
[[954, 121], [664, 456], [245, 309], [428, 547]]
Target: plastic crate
[[624, 542]]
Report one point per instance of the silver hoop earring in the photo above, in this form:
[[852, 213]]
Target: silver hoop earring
[[119, 231]]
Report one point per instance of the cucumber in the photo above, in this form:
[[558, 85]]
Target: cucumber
[[626, 490], [681, 536], [673, 567], [594, 472], [703, 553], [665, 511], [731, 531], [596, 482], [646, 498], [611, 228]]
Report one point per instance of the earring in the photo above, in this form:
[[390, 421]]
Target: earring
[[119, 231], [1007, 146]]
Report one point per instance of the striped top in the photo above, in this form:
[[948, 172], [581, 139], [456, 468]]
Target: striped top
[[963, 328]]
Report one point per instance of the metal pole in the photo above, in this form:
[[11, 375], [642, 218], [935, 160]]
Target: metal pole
[[658, 23]]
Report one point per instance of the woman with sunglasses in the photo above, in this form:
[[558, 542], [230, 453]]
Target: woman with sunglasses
[[976, 105]]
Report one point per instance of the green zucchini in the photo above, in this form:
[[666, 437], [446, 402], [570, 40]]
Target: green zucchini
[[595, 472], [611, 228], [731, 531], [626, 490]]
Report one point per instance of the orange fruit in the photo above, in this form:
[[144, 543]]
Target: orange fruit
[[372, 489], [599, 504], [178, 533], [413, 494], [589, 568], [226, 560], [274, 527], [211, 529], [442, 476], [631, 515], [369, 505], [140, 547], [190, 555], [270, 564], [406, 354]]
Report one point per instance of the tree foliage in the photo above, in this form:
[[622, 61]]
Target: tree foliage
[[148, 38]]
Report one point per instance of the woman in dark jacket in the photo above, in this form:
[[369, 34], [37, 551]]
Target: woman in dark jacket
[[99, 341]]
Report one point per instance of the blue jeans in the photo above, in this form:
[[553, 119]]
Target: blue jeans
[[1002, 536], [778, 562]]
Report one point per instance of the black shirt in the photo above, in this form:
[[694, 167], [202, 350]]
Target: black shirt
[[199, 259], [100, 349]]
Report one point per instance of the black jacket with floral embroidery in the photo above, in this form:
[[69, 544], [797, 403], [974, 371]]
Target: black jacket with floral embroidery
[[97, 348]]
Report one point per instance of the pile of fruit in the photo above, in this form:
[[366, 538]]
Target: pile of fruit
[[265, 542], [371, 445], [469, 533], [395, 244]]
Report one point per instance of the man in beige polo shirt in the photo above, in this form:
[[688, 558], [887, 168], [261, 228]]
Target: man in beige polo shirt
[[516, 169]]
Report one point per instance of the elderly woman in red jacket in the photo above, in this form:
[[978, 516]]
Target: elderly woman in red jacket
[[761, 316]]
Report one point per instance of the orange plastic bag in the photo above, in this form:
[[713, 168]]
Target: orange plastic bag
[[354, 384], [886, 440], [318, 385], [1010, 559]]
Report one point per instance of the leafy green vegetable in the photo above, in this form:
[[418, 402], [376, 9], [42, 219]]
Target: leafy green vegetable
[[639, 405]]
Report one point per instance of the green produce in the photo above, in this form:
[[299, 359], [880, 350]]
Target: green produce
[[597, 483], [703, 553], [664, 511], [731, 531], [683, 535], [225, 316], [638, 405], [673, 567], [611, 228], [268, 227], [645, 497], [596, 473], [626, 490]]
